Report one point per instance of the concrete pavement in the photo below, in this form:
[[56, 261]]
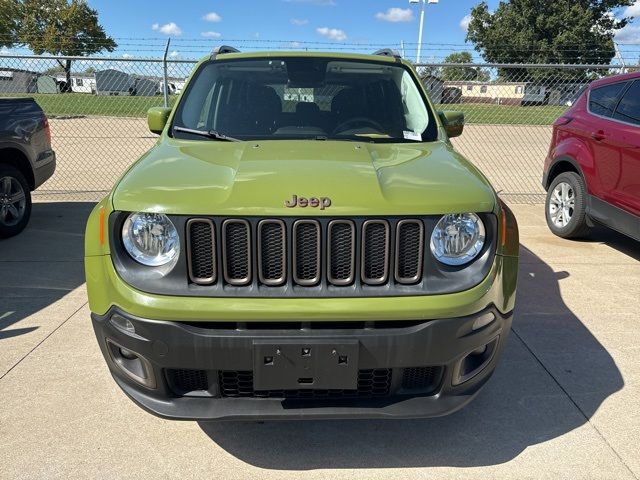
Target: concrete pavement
[[564, 403]]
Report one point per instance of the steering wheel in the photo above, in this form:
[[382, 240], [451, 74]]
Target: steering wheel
[[356, 121]]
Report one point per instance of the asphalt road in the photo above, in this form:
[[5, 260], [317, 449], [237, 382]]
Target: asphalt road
[[564, 402]]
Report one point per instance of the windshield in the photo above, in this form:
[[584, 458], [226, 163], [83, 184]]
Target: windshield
[[305, 98]]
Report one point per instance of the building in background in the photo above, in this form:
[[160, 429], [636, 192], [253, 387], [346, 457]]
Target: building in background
[[113, 82], [13, 80], [47, 84], [80, 82], [500, 93], [434, 86]]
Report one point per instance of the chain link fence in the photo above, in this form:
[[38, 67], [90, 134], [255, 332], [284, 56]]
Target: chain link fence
[[97, 113]]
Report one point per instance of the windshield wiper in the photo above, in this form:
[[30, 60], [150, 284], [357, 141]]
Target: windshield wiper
[[207, 133]]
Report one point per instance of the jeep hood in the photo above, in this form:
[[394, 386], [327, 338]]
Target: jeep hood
[[256, 178]]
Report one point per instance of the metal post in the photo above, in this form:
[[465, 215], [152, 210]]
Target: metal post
[[166, 76], [402, 48], [424, 2]]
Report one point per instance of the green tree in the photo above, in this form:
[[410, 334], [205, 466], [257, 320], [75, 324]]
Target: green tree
[[462, 73], [10, 13], [62, 27], [546, 31]]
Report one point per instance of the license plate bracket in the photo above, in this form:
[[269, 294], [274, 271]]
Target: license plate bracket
[[305, 364]]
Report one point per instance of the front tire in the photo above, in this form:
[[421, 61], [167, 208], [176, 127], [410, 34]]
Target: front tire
[[15, 201], [566, 206]]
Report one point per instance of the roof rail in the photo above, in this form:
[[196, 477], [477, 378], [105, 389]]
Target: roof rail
[[222, 49], [388, 52]]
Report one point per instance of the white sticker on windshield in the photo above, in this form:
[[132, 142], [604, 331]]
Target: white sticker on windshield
[[412, 135]]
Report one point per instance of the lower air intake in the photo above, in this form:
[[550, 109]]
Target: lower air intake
[[371, 383]]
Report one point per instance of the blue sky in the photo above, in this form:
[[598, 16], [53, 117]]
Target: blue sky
[[141, 27], [195, 25]]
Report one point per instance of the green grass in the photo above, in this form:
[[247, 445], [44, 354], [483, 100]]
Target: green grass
[[476, 113], [85, 104]]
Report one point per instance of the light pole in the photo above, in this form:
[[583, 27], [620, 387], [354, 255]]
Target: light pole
[[424, 3]]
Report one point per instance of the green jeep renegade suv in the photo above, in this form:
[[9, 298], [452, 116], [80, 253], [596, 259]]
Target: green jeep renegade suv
[[302, 242]]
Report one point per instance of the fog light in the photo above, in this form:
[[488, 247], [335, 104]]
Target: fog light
[[479, 350], [131, 364], [128, 354], [474, 362]]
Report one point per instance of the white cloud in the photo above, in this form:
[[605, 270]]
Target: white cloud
[[299, 21], [4, 51], [212, 17], [332, 33], [168, 28], [127, 55], [293, 45], [396, 15], [174, 54], [211, 34], [632, 10], [628, 34], [464, 23]]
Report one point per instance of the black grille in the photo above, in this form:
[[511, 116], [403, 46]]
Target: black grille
[[341, 252], [183, 381], [409, 251], [237, 252], [371, 383], [306, 252], [201, 251], [375, 252], [421, 378], [272, 252]]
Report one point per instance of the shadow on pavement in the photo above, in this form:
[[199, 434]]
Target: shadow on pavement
[[42, 264], [551, 357], [620, 242]]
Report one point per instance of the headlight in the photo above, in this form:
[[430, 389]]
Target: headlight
[[151, 239], [457, 238]]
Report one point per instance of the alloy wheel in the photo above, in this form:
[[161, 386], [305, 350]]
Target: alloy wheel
[[13, 201], [562, 204]]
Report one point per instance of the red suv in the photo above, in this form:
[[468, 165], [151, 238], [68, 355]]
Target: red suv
[[592, 171]]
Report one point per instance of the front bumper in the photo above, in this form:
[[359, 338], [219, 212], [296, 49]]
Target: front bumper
[[216, 349]]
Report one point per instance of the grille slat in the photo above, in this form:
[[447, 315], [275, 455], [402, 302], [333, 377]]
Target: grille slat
[[272, 255], [375, 252], [236, 243], [201, 250], [342, 254], [409, 251], [306, 252]]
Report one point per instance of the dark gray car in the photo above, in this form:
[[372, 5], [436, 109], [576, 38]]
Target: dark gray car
[[26, 160]]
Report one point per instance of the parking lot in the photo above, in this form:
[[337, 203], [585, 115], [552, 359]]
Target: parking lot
[[564, 402], [94, 151]]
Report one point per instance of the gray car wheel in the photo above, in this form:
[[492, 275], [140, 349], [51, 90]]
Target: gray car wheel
[[566, 206], [15, 201]]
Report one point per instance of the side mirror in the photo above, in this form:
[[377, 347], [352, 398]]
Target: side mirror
[[157, 118], [453, 122]]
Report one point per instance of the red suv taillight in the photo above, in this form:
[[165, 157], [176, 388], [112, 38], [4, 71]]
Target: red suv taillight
[[47, 129]]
